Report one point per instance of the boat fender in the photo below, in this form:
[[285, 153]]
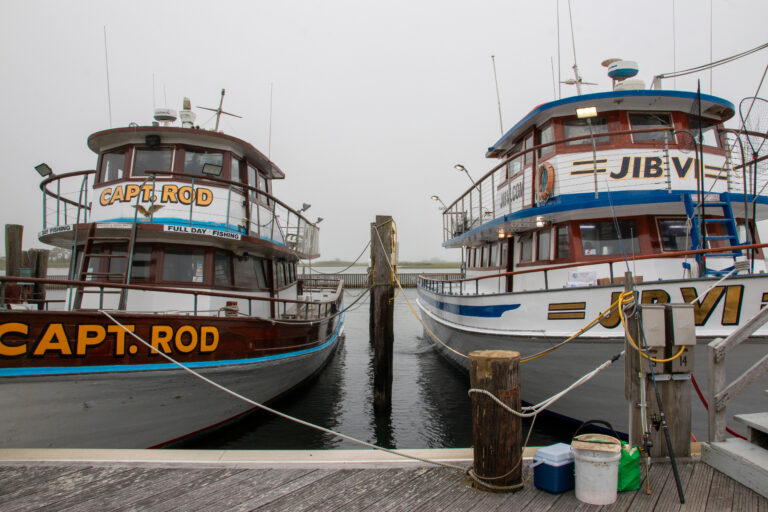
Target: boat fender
[[545, 181]]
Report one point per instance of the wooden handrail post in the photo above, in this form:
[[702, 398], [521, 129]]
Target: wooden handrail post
[[496, 433]]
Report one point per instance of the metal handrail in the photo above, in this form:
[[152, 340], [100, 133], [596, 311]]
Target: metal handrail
[[602, 261], [331, 301]]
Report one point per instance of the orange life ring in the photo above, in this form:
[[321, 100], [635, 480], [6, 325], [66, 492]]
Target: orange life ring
[[545, 181]]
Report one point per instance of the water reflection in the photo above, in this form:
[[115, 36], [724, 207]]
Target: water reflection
[[429, 409]]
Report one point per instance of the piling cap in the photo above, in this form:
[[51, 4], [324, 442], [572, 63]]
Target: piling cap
[[596, 442]]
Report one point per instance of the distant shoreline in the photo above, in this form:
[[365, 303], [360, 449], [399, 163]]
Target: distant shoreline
[[401, 265]]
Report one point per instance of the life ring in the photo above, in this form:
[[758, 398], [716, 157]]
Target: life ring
[[545, 181]]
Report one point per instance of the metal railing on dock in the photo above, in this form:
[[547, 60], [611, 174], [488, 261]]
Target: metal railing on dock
[[407, 280]]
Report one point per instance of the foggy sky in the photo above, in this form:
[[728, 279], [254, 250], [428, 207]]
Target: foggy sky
[[373, 102]]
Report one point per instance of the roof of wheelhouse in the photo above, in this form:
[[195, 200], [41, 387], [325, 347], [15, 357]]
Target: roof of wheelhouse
[[642, 100], [107, 139]]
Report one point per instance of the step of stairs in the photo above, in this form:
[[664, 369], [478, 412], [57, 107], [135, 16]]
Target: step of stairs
[[757, 425], [741, 460]]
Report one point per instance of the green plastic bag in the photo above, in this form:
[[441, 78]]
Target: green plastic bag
[[629, 468]]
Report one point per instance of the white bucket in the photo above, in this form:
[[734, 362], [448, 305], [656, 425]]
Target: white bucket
[[596, 468]]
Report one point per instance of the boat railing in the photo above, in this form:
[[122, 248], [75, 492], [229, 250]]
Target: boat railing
[[282, 307], [719, 393], [493, 195], [260, 215], [471, 285]]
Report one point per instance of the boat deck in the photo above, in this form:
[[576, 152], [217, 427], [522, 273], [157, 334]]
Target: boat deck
[[347, 480]]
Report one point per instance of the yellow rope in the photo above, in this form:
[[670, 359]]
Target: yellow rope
[[627, 298], [574, 336]]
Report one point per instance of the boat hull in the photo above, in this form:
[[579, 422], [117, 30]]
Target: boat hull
[[603, 396], [132, 405]]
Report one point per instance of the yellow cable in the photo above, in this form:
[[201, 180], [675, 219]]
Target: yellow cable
[[624, 300]]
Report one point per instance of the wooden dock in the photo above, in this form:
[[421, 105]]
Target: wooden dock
[[81, 480]]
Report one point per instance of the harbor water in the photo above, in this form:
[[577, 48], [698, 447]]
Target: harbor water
[[430, 405]]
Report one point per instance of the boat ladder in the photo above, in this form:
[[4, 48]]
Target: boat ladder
[[91, 265], [728, 222]]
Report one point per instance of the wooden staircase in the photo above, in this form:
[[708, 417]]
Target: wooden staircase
[[744, 461]]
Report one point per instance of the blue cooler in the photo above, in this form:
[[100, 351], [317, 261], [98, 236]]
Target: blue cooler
[[553, 468]]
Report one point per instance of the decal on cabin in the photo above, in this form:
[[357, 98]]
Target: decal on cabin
[[169, 193], [567, 311]]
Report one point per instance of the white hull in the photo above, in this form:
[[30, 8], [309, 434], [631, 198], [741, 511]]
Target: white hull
[[528, 330]]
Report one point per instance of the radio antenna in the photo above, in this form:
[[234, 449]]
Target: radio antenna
[[498, 97], [269, 146], [106, 63], [219, 111]]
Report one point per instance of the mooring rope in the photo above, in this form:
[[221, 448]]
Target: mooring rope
[[276, 412]]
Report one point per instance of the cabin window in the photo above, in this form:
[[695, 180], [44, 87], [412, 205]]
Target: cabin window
[[183, 265], [234, 169], [494, 256], [674, 235], [580, 128], [526, 247], [140, 268], [151, 159], [249, 272], [112, 166], [708, 130], [503, 254], [264, 185], [563, 242], [602, 239], [222, 269], [529, 145], [543, 244], [546, 136], [516, 165], [647, 121], [196, 159], [142, 264]]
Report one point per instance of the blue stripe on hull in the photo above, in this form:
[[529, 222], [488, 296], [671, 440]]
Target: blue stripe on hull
[[65, 370], [492, 311]]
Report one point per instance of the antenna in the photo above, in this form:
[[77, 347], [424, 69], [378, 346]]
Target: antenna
[[269, 147], [559, 88], [577, 81], [498, 98], [106, 63], [219, 111]]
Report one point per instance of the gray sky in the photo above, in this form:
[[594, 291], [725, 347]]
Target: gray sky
[[374, 102]]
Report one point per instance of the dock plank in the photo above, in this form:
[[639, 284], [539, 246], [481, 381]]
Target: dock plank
[[381, 484], [249, 493], [68, 481], [78, 487], [169, 498], [125, 497], [720, 493], [108, 484], [305, 496], [696, 494]]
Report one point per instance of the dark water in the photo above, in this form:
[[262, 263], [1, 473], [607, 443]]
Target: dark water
[[430, 406]]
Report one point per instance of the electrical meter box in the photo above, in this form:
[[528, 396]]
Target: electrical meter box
[[681, 331]]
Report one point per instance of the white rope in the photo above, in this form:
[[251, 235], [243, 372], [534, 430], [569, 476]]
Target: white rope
[[533, 410], [274, 411]]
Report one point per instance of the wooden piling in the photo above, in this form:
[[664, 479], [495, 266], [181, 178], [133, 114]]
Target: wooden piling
[[382, 310], [497, 433], [13, 237]]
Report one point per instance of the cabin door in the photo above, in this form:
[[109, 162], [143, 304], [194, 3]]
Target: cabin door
[[510, 263]]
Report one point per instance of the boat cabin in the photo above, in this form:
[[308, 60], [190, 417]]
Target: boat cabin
[[602, 176]]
